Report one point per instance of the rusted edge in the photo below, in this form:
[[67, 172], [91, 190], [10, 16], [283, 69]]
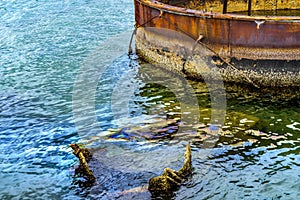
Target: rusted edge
[[197, 13]]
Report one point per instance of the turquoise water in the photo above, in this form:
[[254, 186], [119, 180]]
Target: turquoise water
[[44, 44]]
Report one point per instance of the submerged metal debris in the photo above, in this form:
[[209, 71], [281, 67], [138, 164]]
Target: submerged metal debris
[[83, 155], [171, 179], [163, 185]]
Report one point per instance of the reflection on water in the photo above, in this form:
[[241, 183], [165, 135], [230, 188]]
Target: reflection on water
[[255, 157]]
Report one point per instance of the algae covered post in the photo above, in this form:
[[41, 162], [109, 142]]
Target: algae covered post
[[83, 155]]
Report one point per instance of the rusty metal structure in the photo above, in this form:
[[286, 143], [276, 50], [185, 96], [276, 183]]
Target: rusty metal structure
[[241, 29]]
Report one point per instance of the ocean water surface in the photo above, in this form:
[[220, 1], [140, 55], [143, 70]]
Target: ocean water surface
[[43, 44]]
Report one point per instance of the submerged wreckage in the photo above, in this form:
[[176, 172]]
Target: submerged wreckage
[[255, 42], [162, 185], [252, 41]]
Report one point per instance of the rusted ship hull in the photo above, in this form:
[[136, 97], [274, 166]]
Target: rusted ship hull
[[230, 35], [265, 50]]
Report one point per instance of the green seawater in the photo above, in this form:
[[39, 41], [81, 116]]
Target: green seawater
[[44, 44]]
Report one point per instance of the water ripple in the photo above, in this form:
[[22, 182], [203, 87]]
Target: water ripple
[[42, 46]]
